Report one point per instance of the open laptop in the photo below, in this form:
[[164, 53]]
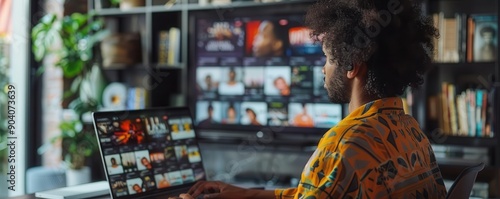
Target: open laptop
[[149, 153]]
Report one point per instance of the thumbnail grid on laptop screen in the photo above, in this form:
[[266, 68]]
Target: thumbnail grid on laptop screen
[[149, 151]]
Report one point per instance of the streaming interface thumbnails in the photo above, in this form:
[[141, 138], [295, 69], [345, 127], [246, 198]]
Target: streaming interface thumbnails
[[147, 153]]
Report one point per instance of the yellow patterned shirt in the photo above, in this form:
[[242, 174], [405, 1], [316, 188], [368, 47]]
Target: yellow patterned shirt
[[377, 151]]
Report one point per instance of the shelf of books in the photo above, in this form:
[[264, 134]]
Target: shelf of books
[[466, 38], [467, 113], [459, 101]]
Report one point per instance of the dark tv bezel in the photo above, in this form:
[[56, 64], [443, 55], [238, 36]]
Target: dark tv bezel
[[229, 14]]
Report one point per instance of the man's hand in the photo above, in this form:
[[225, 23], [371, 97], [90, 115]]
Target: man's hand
[[218, 190], [182, 196]]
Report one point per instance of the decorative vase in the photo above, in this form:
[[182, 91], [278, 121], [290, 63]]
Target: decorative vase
[[76, 177], [121, 49]]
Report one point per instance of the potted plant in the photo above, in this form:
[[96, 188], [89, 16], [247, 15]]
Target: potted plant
[[78, 34]]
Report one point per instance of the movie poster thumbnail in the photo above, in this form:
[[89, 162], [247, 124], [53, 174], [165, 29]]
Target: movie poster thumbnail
[[155, 126], [148, 182], [199, 174], [104, 128], [157, 157], [129, 132], [142, 158], [194, 154], [302, 80], [254, 113], [208, 113], [115, 126], [230, 113], [208, 79], [113, 164], [182, 128], [266, 38], [301, 114], [106, 141], [118, 185], [181, 152], [220, 38], [170, 154], [129, 162], [187, 123], [231, 81], [105, 131], [135, 186], [253, 80], [175, 178], [301, 43], [187, 176], [277, 81], [327, 115], [162, 181], [277, 114]]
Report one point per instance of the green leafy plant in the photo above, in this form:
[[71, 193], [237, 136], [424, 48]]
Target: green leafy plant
[[115, 2], [77, 33]]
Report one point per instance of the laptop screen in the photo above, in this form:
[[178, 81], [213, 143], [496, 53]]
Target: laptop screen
[[147, 152]]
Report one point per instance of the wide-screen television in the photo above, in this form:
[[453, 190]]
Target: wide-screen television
[[250, 72]]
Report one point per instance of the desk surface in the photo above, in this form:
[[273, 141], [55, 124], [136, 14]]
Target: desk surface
[[32, 196], [244, 185]]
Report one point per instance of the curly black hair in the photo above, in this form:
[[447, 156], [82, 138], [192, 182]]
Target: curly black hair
[[392, 37]]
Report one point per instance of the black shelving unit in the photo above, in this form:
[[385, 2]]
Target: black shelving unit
[[463, 74], [464, 141], [119, 12]]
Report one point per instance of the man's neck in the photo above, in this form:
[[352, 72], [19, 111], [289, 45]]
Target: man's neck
[[356, 103], [358, 96]]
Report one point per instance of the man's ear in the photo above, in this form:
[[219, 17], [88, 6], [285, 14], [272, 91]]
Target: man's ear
[[356, 70]]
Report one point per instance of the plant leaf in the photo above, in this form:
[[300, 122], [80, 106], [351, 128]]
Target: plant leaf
[[68, 94], [72, 70], [75, 85]]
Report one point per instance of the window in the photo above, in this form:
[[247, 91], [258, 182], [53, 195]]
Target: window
[[14, 51]]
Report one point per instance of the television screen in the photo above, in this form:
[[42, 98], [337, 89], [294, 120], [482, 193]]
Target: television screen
[[253, 72]]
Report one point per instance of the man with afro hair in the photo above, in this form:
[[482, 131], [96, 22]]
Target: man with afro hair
[[375, 49]]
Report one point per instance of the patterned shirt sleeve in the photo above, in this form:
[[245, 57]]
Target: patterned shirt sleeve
[[330, 172], [327, 175]]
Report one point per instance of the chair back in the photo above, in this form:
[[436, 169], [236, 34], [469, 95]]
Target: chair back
[[462, 186]]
